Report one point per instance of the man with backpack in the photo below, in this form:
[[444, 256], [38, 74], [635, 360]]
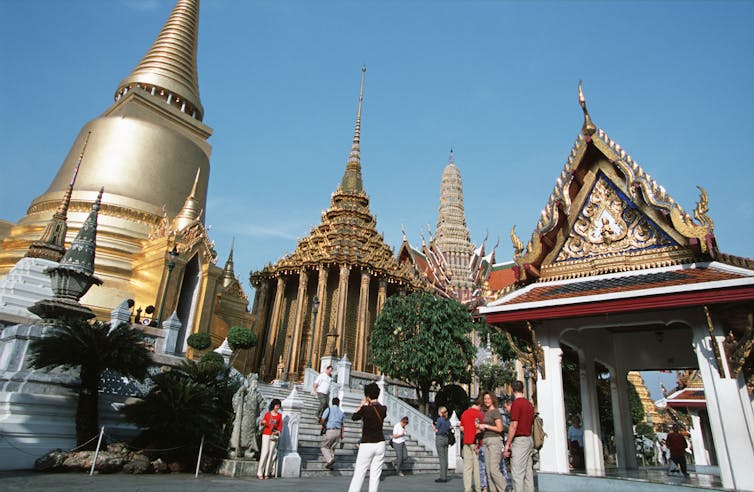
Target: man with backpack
[[519, 445]]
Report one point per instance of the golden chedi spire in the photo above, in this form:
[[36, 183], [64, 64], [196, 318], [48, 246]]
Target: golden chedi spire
[[51, 245], [229, 275], [352, 182], [145, 149], [192, 209], [170, 64]]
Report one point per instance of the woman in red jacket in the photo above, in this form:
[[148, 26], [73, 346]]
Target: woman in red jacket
[[271, 424]]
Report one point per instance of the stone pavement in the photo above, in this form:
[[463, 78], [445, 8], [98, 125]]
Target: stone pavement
[[643, 481], [33, 482]]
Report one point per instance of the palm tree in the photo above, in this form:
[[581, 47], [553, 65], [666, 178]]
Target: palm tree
[[91, 348]]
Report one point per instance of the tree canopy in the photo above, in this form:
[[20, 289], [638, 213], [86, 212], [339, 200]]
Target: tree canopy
[[423, 339]]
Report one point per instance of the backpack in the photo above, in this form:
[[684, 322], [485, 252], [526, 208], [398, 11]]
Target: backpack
[[538, 433]]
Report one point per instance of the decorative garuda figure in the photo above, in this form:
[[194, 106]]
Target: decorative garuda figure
[[248, 404]]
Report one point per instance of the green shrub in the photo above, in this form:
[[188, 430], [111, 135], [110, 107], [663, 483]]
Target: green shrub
[[212, 358], [240, 337], [199, 341]]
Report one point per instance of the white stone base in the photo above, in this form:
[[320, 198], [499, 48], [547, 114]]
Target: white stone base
[[25, 284], [32, 425], [291, 466]]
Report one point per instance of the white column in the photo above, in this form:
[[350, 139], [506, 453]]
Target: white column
[[553, 457], [729, 410], [590, 416], [624, 432], [701, 455]]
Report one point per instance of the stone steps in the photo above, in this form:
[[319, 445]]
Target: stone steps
[[421, 460]]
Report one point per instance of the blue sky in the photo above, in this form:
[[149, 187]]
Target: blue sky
[[670, 81]]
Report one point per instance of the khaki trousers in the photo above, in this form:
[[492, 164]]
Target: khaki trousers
[[328, 444], [471, 477], [521, 464]]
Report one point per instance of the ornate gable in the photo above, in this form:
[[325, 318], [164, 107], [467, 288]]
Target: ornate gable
[[606, 214], [610, 223]]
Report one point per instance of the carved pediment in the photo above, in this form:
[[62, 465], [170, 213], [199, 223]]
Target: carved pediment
[[608, 224]]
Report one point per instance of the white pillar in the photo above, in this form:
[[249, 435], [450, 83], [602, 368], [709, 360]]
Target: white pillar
[[590, 416], [729, 410], [290, 464], [553, 457], [624, 433], [455, 461], [701, 455]]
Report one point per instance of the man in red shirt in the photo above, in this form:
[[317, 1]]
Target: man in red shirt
[[519, 445], [469, 420], [677, 446]]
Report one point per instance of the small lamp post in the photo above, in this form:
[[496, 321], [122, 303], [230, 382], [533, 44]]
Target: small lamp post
[[315, 308], [171, 264]]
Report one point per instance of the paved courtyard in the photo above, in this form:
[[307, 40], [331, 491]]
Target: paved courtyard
[[33, 482]]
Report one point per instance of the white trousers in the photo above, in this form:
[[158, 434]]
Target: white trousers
[[371, 457], [268, 457]]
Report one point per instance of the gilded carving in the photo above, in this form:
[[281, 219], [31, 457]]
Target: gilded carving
[[685, 224], [737, 349], [713, 342], [607, 224]]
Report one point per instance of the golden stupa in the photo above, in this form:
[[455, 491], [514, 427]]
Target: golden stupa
[[149, 151]]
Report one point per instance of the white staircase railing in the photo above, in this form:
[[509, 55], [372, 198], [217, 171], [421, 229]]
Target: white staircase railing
[[419, 425]]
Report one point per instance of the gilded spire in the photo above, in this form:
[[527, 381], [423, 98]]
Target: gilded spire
[[168, 69], [588, 128], [352, 177], [229, 275], [51, 245], [192, 209]]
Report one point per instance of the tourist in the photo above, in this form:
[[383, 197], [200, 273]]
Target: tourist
[[332, 420], [442, 429], [371, 455], [492, 435], [272, 425], [677, 446], [399, 445], [469, 420], [520, 446], [576, 442], [322, 390]]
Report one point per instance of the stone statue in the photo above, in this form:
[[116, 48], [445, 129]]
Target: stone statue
[[248, 404]]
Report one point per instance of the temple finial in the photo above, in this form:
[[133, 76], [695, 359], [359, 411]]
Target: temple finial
[[352, 178], [229, 275], [196, 182], [588, 127], [51, 245], [191, 209]]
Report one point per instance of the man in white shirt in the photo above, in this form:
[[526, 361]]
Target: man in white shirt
[[399, 444], [322, 390]]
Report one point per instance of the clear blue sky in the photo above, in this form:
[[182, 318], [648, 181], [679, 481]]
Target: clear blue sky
[[672, 82]]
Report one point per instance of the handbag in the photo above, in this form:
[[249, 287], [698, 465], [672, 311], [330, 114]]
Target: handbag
[[451, 438]]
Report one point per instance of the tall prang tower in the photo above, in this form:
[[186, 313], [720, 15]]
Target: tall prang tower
[[452, 235], [149, 151]]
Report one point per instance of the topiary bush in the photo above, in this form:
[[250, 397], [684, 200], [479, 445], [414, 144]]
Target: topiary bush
[[240, 337], [199, 341]]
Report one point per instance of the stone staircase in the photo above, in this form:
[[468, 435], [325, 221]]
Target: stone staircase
[[420, 459]]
